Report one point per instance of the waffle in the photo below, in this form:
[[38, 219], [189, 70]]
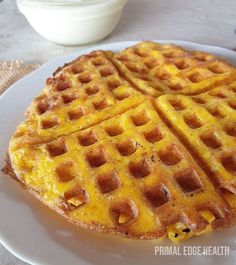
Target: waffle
[[157, 69], [81, 94], [138, 171], [114, 147], [206, 123]]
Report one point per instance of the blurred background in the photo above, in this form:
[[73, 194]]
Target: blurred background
[[203, 21]]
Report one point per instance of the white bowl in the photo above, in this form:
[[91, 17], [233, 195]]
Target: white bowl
[[73, 22]]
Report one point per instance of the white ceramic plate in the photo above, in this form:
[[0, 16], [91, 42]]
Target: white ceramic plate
[[39, 236]]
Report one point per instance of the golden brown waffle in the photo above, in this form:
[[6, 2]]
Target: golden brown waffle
[[98, 149], [81, 94], [139, 173], [207, 133], [157, 69]]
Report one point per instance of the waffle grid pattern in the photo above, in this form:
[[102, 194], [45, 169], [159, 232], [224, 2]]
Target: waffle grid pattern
[[208, 127], [113, 159], [159, 69], [80, 95], [145, 162]]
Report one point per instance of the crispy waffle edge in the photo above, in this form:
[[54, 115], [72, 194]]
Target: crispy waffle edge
[[8, 170]]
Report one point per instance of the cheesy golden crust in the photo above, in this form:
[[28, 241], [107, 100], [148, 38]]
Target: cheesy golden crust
[[139, 143]]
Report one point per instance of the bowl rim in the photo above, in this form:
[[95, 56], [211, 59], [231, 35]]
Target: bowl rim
[[70, 3]]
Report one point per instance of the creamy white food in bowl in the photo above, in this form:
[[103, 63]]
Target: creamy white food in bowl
[[72, 22]]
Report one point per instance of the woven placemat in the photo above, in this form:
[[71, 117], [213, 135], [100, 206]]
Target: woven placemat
[[12, 71]]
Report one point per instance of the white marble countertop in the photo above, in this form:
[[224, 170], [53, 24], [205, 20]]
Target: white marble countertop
[[203, 21]]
